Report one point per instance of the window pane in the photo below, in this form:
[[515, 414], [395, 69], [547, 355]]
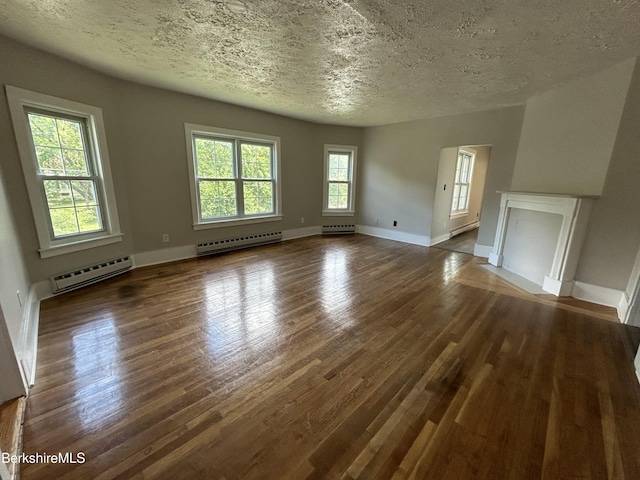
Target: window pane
[[89, 218], [256, 161], [214, 158], [258, 197], [70, 134], [58, 193], [64, 221], [338, 195], [43, 130], [462, 204], [217, 198], [338, 170], [456, 191], [84, 193], [50, 160], [75, 163]]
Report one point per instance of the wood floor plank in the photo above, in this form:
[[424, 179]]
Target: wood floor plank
[[331, 357]]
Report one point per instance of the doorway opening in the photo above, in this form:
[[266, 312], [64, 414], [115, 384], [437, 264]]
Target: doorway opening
[[457, 212]]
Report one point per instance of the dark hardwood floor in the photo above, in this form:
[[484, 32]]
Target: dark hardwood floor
[[331, 357]]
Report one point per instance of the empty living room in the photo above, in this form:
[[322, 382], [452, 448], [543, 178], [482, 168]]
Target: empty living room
[[346, 239]]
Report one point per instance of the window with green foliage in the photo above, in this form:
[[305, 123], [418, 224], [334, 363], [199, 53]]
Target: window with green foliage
[[65, 168], [234, 175], [339, 188], [65, 162]]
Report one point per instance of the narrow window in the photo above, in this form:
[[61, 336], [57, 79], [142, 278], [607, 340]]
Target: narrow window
[[462, 184], [339, 185]]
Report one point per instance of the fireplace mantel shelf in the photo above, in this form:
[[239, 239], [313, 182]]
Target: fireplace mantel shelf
[[542, 194]]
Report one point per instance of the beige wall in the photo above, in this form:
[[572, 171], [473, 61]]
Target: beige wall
[[147, 147], [398, 178], [613, 238], [569, 132]]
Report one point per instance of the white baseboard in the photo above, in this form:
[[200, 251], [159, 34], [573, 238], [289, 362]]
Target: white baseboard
[[439, 239], [495, 260], [482, 250], [399, 236], [154, 257], [301, 232], [28, 343], [559, 288], [623, 307], [609, 297]]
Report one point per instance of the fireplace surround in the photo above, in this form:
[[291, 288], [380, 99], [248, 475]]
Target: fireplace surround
[[563, 240]]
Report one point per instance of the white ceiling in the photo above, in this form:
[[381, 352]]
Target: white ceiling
[[351, 62]]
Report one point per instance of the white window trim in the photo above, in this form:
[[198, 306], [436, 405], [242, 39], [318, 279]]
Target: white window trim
[[18, 99], [350, 211], [465, 212], [199, 224]]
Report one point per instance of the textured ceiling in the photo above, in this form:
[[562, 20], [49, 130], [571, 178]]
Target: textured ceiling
[[352, 62]]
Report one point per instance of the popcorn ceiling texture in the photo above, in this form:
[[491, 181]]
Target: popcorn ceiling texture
[[352, 62]]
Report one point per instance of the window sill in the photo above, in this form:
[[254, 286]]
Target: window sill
[[459, 214], [338, 213], [236, 221], [77, 246]]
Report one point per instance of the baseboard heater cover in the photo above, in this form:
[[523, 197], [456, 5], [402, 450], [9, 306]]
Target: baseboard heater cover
[[229, 244], [88, 275], [338, 229], [464, 228]]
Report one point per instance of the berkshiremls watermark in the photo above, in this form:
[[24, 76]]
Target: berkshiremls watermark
[[59, 457]]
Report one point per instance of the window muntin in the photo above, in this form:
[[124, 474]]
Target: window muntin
[[234, 176], [462, 183], [65, 161], [339, 186]]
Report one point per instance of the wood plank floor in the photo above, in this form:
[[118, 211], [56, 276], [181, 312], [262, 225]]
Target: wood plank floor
[[331, 357], [11, 417], [463, 243]]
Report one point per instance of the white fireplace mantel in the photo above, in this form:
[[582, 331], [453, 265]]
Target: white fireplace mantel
[[575, 211]]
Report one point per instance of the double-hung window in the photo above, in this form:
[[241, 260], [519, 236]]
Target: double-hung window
[[340, 179], [234, 176], [64, 156], [462, 183]]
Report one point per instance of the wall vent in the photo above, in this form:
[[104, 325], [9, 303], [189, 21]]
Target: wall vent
[[338, 229], [88, 275], [219, 246]]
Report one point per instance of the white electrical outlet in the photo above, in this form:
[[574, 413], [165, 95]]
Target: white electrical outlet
[[19, 298], [165, 238], [302, 220], [376, 221]]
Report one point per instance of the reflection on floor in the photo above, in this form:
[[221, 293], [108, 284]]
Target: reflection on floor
[[463, 243]]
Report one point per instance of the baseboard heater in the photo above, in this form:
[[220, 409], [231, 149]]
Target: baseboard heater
[[338, 229], [88, 275], [226, 245], [464, 228]]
